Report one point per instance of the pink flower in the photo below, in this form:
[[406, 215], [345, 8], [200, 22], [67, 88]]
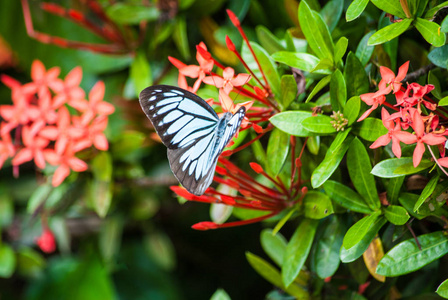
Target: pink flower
[[46, 241], [95, 106], [68, 90], [389, 82], [373, 99], [42, 79], [423, 138], [6, 149], [34, 147], [227, 81], [395, 135]]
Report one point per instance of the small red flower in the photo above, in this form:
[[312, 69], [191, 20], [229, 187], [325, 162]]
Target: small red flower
[[46, 241], [389, 81], [374, 99], [227, 81]]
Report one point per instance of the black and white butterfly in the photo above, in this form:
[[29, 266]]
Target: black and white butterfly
[[191, 130]]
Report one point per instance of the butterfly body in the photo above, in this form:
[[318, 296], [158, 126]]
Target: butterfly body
[[191, 130]]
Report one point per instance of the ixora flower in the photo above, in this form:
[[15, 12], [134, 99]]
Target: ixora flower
[[46, 241], [43, 128]]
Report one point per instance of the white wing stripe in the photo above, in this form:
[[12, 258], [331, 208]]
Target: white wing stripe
[[179, 124], [166, 109], [190, 106], [171, 116], [168, 101]]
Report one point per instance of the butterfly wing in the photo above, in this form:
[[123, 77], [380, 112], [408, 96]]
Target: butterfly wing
[[187, 126]]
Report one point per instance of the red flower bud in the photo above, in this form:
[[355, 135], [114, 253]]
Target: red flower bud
[[256, 167], [204, 226], [46, 241]]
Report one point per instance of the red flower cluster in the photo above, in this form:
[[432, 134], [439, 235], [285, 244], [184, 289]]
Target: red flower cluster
[[427, 130], [43, 128], [251, 194]]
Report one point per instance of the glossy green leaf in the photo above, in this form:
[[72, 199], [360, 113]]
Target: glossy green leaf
[[346, 197], [268, 65], [427, 192], [288, 90], [7, 261], [364, 51], [331, 13], [340, 48], [442, 289], [316, 32], [355, 9], [268, 40], [318, 87], [439, 56], [408, 200], [431, 12], [349, 255], [320, 124], [317, 205], [325, 66], [271, 274], [338, 91], [395, 167], [393, 188], [291, 122], [124, 13], [180, 37], [389, 32], [297, 250], [395, 214], [406, 257], [273, 245], [331, 161], [277, 151], [356, 76], [101, 186], [392, 7], [220, 294], [430, 32], [357, 232], [443, 101], [302, 61], [326, 257], [369, 129], [351, 109], [359, 168], [38, 197], [140, 73]]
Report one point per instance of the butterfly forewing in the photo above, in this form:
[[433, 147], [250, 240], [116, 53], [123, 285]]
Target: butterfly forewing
[[191, 130]]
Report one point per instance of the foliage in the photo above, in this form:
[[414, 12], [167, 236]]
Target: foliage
[[340, 159]]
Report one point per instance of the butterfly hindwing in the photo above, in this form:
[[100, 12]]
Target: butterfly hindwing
[[192, 132]]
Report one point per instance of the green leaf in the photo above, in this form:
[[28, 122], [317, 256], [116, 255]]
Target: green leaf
[[297, 250], [356, 76], [331, 161], [370, 129], [317, 205], [316, 32], [357, 232], [338, 91], [443, 101], [442, 290], [6, 208], [140, 73], [268, 65], [273, 245], [427, 191], [289, 90], [101, 186], [397, 215], [318, 87], [395, 167], [38, 197], [269, 41], [389, 32], [220, 294], [340, 48], [122, 13], [331, 13], [351, 109], [271, 274], [302, 61], [291, 122], [393, 188], [349, 255], [30, 263], [7, 261], [326, 258], [439, 56], [392, 7], [406, 257], [346, 197], [355, 9], [430, 32], [364, 51], [359, 168], [320, 124], [180, 37], [277, 151]]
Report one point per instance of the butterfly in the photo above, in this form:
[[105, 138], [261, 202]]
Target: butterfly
[[191, 130]]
